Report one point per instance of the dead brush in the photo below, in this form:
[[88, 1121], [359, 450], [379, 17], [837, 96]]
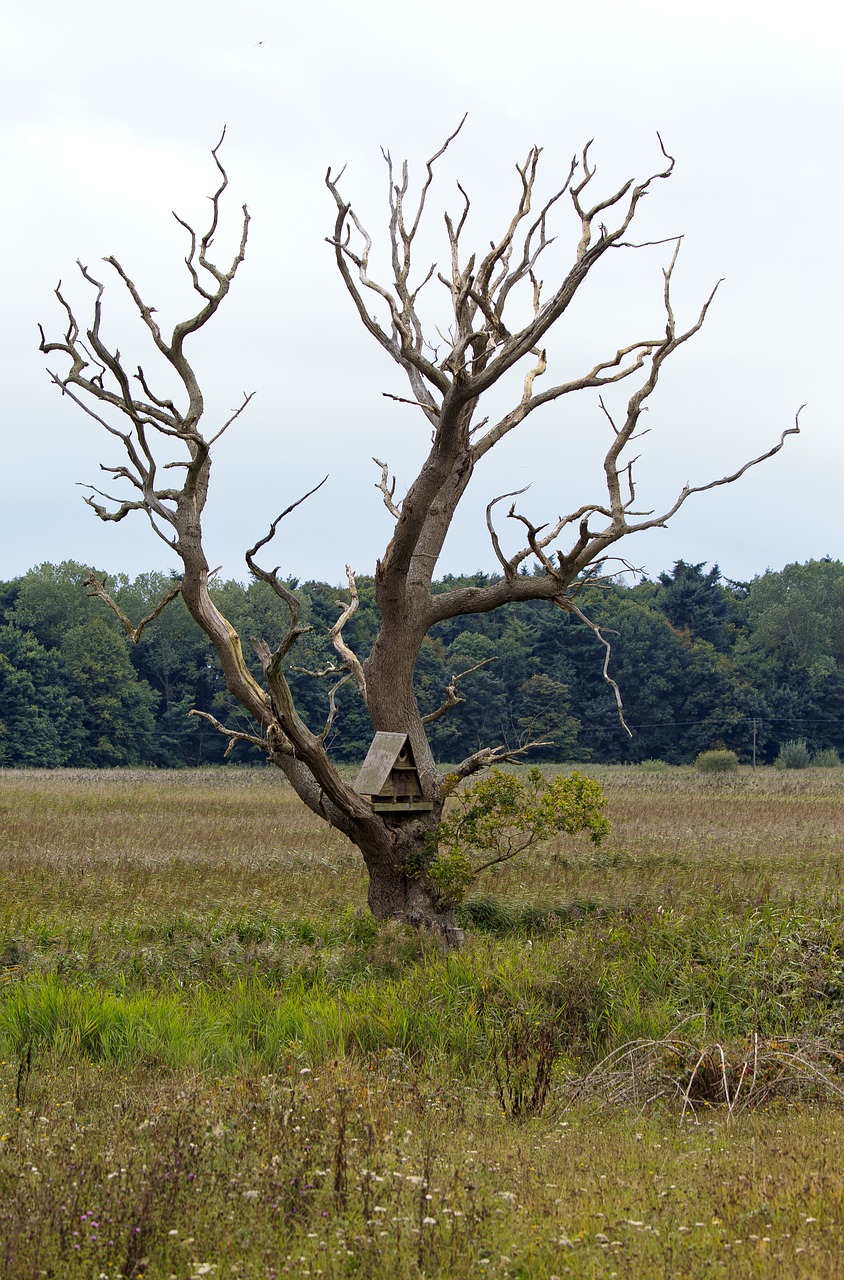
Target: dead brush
[[733, 1077], [523, 1058]]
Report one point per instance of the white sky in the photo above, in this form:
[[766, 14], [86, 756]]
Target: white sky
[[110, 112]]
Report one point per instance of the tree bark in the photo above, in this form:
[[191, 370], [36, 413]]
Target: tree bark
[[398, 889]]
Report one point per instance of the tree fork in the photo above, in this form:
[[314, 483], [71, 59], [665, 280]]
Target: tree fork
[[487, 338]]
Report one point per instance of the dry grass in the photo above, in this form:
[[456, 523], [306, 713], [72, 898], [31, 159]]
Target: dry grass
[[192, 837], [340, 1173], [213, 1053], [677, 834], [181, 840]]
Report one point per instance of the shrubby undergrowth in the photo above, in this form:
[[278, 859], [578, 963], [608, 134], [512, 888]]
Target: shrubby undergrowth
[[793, 754]]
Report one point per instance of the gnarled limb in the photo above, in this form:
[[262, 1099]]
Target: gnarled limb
[[388, 488], [335, 635], [487, 757], [617, 517], [156, 424]]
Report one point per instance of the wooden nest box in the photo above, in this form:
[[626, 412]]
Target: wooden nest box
[[390, 778]]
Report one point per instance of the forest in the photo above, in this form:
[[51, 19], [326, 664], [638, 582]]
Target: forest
[[701, 662]]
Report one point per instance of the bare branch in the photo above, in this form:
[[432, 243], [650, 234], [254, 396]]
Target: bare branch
[[97, 379], [569, 606], [453, 698], [272, 579], [688, 490], [330, 669], [123, 508], [645, 244], [414, 404], [236, 414], [507, 565], [405, 342], [605, 373], [388, 488], [234, 735], [262, 542], [350, 660], [332, 706], [98, 589], [487, 757]]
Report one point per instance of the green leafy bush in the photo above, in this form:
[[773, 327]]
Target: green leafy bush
[[717, 761], [793, 755], [826, 759], [501, 816]]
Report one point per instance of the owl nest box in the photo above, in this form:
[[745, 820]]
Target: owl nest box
[[390, 778]]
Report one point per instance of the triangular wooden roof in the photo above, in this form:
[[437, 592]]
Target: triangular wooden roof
[[382, 755]]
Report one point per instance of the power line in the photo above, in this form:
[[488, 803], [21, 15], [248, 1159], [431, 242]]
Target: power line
[[711, 720]]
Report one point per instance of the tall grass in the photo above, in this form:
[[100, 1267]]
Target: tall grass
[[209, 1046]]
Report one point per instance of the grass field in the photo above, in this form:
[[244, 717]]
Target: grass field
[[214, 1063]]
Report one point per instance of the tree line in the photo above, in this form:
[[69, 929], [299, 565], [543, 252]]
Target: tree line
[[700, 661]]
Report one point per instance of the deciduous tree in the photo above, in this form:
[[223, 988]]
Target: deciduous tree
[[498, 315]]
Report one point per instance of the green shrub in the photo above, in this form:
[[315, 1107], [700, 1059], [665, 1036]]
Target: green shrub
[[654, 766], [502, 816], [717, 761], [793, 755], [826, 759]]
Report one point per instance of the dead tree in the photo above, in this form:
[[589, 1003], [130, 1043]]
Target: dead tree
[[166, 458]]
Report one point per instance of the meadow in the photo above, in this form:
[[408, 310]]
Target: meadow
[[213, 1062]]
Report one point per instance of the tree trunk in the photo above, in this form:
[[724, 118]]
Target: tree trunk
[[398, 887]]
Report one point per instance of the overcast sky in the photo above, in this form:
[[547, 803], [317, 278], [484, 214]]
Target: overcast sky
[[110, 111]]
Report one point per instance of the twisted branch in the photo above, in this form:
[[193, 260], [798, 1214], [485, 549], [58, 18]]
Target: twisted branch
[[234, 735], [335, 635]]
